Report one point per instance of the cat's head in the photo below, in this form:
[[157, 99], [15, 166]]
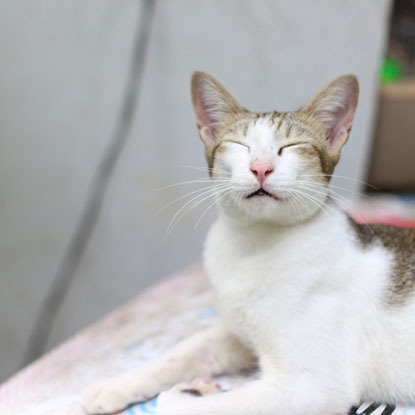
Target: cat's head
[[273, 166]]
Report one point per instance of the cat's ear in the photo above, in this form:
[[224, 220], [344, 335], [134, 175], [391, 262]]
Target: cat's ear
[[335, 106], [212, 105]]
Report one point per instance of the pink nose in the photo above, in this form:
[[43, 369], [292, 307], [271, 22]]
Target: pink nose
[[261, 171]]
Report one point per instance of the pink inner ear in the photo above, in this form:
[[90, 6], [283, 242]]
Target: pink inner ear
[[208, 136], [205, 123], [342, 122]]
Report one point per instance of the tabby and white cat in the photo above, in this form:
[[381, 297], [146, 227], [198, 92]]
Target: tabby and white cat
[[323, 306]]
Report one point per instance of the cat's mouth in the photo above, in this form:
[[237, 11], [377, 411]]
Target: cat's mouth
[[262, 193]]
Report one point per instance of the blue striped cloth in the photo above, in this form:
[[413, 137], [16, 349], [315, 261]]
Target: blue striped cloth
[[149, 408]]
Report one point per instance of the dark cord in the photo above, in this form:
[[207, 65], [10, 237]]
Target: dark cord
[[88, 218]]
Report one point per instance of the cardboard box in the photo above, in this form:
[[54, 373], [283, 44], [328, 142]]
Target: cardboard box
[[392, 167]]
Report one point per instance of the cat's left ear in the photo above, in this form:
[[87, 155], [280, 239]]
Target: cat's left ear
[[335, 106]]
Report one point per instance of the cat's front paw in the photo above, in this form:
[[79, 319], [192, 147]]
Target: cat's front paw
[[176, 400], [109, 397]]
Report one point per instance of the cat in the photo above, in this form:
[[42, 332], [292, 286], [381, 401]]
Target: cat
[[322, 306]]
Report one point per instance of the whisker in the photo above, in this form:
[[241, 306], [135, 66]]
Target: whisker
[[340, 177], [197, 203], [203, 180], [342, 200], [198, 198], [297, 205], [320, 204], [349, 206], [293, 201], [331, 186], [184, 208], [202, 191], [189, 206], [209, 207], [204, 169]]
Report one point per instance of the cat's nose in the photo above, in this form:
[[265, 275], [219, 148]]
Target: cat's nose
[[261, 171]]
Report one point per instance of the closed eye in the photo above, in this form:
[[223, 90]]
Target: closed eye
[[289, 145], [236, 142]]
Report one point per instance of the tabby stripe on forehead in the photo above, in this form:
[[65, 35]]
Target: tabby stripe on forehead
[[259, 115], [239, 124], [283, 115], [275, 115], [299, 130], [288, 131]]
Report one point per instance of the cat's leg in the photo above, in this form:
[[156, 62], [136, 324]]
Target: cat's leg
[[266, 396], [208, 353]]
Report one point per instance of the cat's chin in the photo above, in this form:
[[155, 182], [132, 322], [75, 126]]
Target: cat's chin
[[260, 209], [261, 198]]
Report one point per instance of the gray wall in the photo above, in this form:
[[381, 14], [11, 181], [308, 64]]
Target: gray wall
[[62, 81]]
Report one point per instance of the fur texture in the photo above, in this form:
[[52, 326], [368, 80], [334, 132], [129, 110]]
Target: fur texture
[[322, 306]]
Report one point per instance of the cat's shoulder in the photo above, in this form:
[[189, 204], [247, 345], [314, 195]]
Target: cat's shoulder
[[400, 243], [391, 237]]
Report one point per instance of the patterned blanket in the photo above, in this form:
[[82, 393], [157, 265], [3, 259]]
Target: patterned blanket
[[129, 337], [364, 409]]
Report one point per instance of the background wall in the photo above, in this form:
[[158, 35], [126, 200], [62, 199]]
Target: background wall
[[63, 82]]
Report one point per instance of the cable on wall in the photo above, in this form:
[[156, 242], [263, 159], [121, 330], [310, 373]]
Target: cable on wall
[[70, 262]]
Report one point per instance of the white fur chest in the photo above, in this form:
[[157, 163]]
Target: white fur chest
[[252, 272], [278, 286]]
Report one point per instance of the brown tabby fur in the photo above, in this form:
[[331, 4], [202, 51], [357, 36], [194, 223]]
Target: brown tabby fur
[[401, 242]]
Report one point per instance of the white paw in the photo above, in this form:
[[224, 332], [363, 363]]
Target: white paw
[[175, 400], [197, 387], [108, 397]]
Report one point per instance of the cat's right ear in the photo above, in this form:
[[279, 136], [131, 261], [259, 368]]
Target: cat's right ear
[[335, 106], [212, 105]]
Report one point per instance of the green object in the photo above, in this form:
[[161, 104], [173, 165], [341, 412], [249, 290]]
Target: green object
[[391, 71]]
